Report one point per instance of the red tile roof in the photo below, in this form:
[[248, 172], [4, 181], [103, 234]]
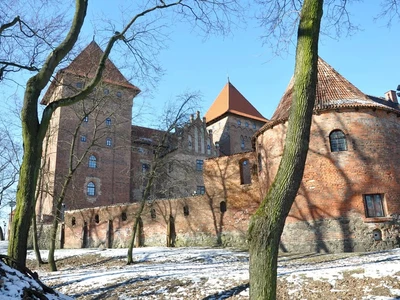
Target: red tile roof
[[333, 92], [85, 65], [230, 100]]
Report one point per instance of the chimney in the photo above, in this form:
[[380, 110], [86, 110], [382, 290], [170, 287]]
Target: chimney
[[391, 96], [197, 115]]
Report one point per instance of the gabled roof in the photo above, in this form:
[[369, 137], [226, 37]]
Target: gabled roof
[[333, 92], [230, 100], [85, 65]]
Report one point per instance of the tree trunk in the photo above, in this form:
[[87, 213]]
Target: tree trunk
[[53, 236], [35, 242], [267, 224]]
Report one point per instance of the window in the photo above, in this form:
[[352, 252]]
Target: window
[[145, 168], [208, 148], [91, 189], [92, 162], [259, 162], [83, 138], [246, 124], [79, 84], [106, 91], [199, 164], [186, 210], [201, 190], [97, 219], [374, 205], [109, 142], [190, 142], [124, 216], [254, 126], [153, 213], [108, 121], [245, 174], [119, 94], [241, 142], [86, 119], [73, 221], [222, 206], [239, 123], [337, 140]]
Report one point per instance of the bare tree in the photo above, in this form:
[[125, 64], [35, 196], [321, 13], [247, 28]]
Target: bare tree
[[174, 117], [211, 16], [267, 223]]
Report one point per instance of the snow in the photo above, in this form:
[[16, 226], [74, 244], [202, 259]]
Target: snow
[[207, 271]]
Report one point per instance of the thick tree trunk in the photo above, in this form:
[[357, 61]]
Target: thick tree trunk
[[267, 224]]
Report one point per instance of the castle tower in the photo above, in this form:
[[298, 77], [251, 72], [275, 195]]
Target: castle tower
[[96, 131], [233, 120]]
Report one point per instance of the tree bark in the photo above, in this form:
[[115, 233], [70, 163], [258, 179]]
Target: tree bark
[[267, 224]]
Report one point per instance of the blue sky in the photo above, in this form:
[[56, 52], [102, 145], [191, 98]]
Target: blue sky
[[368, 59]]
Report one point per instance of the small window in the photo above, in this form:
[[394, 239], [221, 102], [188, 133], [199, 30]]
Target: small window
[[246, 124], [92, 162], [123, 216], [259, 162], [208, 149], [254, 126], [86, 119], [245, 172], [119, 94], [239, 123], [185, 210], [91, 189], [199, 164], [374, 206], [108, 121], [83, 138], [153, 213], [97, 219], [109, 142], [145, 168], [190, 142], [222, 206], [106, 91], [73, 221], [241, 142], [201, 190], [337, 140], [79, 84]]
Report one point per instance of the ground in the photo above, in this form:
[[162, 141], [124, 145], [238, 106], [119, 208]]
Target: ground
[[211, 273]]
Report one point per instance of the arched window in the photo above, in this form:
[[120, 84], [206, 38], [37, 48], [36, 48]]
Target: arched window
[[92, 162], [241, 142], [186, 210], [245, 174], [91, 189], [190, 142], [337, 140], [222, 206], [109, 142]]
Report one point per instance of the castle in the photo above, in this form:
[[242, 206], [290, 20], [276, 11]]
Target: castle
[[212, 172]]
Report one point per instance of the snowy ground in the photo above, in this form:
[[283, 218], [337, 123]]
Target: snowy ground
[[204, 273]]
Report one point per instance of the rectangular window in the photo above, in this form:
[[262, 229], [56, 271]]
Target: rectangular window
[[374, 205], [199, 164], [201, 190], [83, 138]]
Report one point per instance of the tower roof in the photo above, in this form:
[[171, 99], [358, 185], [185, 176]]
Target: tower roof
[[333, 92], [230, 100], [85, 65]]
